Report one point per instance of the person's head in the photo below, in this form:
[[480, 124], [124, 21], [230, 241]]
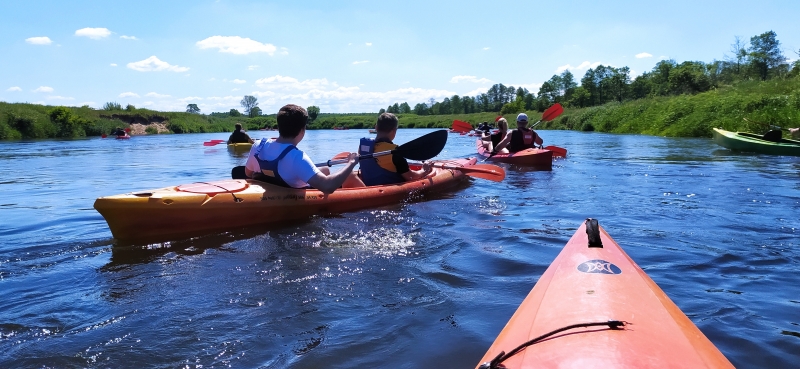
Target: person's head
[[522, 120], [502, 124], [292, 119], [387, 123], [238, 126]]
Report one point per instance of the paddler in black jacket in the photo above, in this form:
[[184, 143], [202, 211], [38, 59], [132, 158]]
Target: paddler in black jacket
[[239, 136], [521, 138]]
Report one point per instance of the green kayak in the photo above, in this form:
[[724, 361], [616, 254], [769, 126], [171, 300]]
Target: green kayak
[[743, 141]]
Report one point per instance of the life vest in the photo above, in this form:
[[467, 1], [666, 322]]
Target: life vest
[[496, 138], [269, 168], [521, 140], [379, 170]]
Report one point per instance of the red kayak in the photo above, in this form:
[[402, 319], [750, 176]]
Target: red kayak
[[539, 158], [595, 308]]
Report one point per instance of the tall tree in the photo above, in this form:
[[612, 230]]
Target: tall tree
[[739, 50], [192, 108], [254, 112], [248, 102], [404, 108], [765, 53], [313, 112], [456, 105]]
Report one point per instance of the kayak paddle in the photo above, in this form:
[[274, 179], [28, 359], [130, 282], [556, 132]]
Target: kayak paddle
[[461, 126], [483, 171], [420, 148], [558, 152]]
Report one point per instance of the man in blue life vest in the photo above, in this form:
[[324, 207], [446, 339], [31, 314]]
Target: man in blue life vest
[[239, 136], [521, 138], [386, 169], [281, 163]]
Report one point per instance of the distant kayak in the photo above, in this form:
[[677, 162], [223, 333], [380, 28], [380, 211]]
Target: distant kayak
[[605, 312], [751, 142], [123, 137], [240, 146], [539, 158], [195, 208]]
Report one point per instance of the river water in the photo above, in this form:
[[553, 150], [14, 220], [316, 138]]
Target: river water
[[426, 283]]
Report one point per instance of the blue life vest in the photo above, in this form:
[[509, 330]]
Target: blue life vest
[[378, 170], [269, 168]]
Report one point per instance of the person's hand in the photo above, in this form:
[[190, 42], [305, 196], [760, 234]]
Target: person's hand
[[352, 158], [427, 168]]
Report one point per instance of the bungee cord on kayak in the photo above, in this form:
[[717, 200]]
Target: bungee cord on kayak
[[495, 363]]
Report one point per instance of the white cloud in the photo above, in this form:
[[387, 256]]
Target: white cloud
[[190, 98], [235, 89], [43, 89], [236, 45], [157, 95], [252, 67], [643, 55], [128, 94], [360, 62], [93, 33], [153, 64], [56, 97], [486, 48], [583, 66], [147, 103], [128, 37], [369, 43], [289, 83], [239, 81], [44, 40], [113, 64], [284, 51], [472, 79], [15, 88]]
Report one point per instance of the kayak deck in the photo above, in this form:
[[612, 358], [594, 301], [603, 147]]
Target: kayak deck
[[539, 158], [600, 284], [751, 142], [223, 205]]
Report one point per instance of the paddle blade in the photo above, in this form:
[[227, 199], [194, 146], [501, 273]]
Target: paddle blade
[[552, 112], [128, 130], [461, 126], [341, 155], [483, 171], [210, 143], [425, 147], [558, 152]]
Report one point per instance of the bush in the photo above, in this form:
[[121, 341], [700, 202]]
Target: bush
[[68, 125], [112, 106], [151, 130]]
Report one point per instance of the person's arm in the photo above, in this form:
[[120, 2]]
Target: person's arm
[[502, 144], [248, 138], [412, 175], [538, 140], [329, 183]]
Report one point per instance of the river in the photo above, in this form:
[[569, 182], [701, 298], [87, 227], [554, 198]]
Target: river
[[426, 283]]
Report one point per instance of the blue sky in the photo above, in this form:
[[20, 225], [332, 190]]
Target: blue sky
[[348, 56]]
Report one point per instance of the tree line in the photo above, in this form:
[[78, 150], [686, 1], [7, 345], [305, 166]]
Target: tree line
[[761, 58]]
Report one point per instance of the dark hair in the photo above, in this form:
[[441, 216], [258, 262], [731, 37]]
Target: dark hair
[[387, 122], [291, 120], [238, 126]]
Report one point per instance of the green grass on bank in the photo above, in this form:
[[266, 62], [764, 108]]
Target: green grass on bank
[[775, 102]]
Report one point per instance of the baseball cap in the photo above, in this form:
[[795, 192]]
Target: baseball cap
[[522, 117]]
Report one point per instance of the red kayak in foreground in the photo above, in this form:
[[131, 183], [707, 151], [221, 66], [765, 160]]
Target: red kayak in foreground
[[539, 158], [595, 308]]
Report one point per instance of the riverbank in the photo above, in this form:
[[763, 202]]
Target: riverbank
[[763, 103]]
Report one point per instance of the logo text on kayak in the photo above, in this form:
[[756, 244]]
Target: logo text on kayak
[[599, 266]]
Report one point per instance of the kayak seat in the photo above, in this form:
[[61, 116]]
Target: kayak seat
[[774, 135], [238, 172]]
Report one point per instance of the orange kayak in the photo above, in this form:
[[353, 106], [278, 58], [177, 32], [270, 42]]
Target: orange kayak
[[620, 318], [191, 209], [540, 158]]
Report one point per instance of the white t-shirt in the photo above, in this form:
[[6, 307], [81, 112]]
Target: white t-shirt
[[296, 168]]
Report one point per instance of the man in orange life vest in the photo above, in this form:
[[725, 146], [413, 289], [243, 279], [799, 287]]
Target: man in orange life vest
[[386, 169], [521, 138]]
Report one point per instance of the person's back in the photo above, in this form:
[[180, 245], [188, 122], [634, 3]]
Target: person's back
[[239, 136], [386, 169], [521, 139]]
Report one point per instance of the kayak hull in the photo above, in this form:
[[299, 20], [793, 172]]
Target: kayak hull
[[599, 284], [230, 204], [750, 142], [539, 158], [240, 147]]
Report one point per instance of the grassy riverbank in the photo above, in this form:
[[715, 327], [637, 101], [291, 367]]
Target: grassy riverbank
[[775, 102]]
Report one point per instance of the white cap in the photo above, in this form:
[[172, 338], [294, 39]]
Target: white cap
[[522, 117]]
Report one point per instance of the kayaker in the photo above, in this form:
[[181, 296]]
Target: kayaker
[[521, 138], [281, 163], [386, 169], [485, 128], [239, 135], [119, 132], [491, 141]]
